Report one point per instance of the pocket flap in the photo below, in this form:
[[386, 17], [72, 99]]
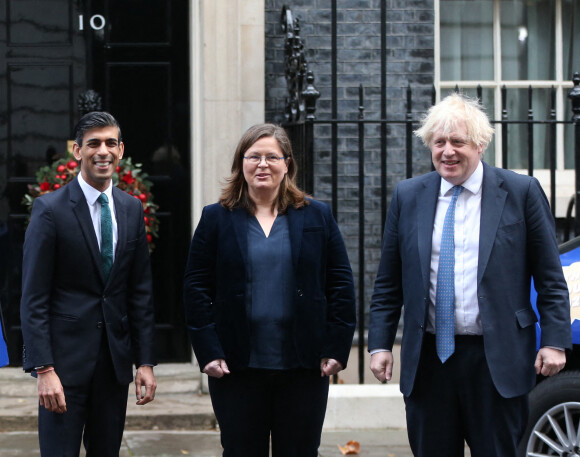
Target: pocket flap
[[526, 317]]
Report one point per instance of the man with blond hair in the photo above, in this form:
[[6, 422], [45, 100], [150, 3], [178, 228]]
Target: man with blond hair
[[461, 246]]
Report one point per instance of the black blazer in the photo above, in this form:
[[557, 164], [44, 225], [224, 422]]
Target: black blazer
[[516, 242], [65, 301], [215, 287]]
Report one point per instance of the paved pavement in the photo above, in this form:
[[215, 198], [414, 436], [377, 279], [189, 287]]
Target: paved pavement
[[180, 422], [373, 443]]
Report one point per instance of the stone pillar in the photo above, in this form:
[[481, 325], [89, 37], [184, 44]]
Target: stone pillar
[[227, 90]]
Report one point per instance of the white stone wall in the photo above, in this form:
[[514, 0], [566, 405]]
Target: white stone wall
[[227, 88]]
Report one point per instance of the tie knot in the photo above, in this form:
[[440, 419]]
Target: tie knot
[[456, 190], [103, 200]]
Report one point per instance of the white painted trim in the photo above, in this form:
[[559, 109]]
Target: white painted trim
[[196, 108], [437, 49], [558, 42], [523, 84]]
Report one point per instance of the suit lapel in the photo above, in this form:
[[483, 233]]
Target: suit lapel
[[295, 226], [492, 203], [426, 205], [240, 228], [121, 217], [80, 209]]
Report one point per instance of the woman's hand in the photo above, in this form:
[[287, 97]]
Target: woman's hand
[[216, 368]]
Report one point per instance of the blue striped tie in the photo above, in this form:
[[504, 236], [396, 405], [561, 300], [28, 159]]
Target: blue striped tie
[[445, 298], [106, 235]]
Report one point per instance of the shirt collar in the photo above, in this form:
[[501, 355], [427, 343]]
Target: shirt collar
[[472, 184], [92, 194]]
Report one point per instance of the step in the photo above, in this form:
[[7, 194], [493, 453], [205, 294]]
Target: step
[[179, 404]]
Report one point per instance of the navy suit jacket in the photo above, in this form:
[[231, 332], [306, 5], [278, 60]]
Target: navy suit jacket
[[516, 242], [215, 287], [66, 303]]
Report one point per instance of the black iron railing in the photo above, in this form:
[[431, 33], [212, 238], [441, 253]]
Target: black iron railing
[[301, 123]]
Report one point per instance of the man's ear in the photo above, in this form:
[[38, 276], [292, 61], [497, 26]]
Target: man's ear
[[76, 150], [121, 149]]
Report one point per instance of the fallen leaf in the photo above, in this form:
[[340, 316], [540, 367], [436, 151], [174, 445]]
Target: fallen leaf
[[352, 447], [184, 452]]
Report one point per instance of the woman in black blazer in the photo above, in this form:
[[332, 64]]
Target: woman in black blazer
[[269, 302]]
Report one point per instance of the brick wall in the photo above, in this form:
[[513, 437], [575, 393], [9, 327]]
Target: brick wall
[[409, 62]]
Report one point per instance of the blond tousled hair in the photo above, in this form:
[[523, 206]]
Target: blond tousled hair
[[453, 110]]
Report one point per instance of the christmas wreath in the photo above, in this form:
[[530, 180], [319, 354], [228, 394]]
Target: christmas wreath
[[129, 177]]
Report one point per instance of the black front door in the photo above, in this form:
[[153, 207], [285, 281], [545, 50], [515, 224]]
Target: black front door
[[134, 54]]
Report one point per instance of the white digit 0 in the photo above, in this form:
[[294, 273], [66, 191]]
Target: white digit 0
[[94, 19]]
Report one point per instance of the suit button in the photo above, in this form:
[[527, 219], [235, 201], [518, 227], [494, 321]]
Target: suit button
[[100, 324], [300, 292]]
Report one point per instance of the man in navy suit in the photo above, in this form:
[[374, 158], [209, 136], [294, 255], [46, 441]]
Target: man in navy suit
[[472, 386], [84, 329]]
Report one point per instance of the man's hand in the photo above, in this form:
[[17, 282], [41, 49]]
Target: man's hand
[[50, 392], [329, 367], [549, 361], [216, 368], [382, 365], [145, 379]]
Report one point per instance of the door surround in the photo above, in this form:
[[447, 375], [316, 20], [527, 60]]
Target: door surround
[[227, 61]]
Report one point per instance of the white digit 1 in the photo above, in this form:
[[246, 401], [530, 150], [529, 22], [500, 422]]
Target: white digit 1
[[81, 23]]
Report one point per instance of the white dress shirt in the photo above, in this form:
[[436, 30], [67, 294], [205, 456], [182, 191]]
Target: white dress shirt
[[467, 223], [91, 195]]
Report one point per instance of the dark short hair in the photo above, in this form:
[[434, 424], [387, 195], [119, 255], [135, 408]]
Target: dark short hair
[[94, 119]]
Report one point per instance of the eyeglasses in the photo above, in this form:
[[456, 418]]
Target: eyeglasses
[[270, 159]]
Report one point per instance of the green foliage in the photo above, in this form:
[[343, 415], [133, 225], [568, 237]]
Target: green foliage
[[128, 177]]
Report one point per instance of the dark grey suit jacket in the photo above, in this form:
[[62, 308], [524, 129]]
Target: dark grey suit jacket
[[517, 242], [67, 305]]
